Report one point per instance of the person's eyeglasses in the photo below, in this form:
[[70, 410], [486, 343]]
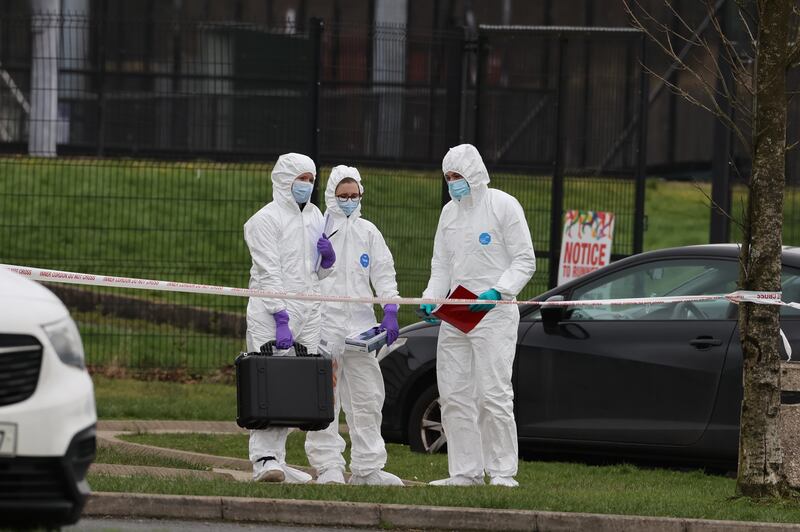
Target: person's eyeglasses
[[344, 197]]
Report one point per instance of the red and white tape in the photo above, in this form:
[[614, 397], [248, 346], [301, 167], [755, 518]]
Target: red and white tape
[[89, 279], [57, 276]]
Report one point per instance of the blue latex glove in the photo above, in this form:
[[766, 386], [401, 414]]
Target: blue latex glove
[[481, 307], [389, 323], [283, 334], [427, 308], [325, 249]]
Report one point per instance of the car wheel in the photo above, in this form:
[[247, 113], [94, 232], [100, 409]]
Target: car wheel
[[425, 431]]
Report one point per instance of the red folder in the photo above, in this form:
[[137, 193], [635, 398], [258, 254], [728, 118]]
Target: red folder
[[459, 316]]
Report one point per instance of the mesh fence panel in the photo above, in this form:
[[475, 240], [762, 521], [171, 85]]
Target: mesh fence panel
[[160, 136]]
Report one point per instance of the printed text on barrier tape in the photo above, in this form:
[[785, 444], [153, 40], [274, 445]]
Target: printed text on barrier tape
[[57, 276]]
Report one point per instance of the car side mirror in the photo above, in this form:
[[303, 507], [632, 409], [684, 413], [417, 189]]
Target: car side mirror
[[551, 316]]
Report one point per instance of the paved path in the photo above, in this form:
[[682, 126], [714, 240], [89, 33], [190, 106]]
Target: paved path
[[174, 525], [240, 469]]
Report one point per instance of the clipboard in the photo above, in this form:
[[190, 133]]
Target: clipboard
[[460, 316], [366, 341]]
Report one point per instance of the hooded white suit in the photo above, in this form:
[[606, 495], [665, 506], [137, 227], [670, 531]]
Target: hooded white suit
[[282, 242], [481, 242], [362, 259]]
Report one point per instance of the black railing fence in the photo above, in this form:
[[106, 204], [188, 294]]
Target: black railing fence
[[140, 148]]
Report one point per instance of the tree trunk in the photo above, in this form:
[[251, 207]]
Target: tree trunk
[[760, 455]]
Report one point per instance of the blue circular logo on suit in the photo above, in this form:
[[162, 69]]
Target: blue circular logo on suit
[[485, 239], [365, 260]]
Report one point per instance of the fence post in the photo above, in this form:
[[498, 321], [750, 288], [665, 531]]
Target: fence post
[[315, 34], [101, 76], [455, 92], [43, 118], [480, 55], [719, 230], [557, 185], [641, 159]]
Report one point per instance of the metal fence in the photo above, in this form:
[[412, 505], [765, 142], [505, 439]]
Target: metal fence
[[165, 133], [572, 112], [176, 221]]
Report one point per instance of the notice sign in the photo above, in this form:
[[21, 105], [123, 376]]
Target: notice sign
[[585, 243]]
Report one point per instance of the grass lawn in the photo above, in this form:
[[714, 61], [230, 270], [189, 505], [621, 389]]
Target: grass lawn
[[554, 486], [127, 343], [183, 222], [136, 399]]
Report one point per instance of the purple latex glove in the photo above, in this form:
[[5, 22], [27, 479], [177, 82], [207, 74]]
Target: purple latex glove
[[389, 323], [283, 334], [325, 249]]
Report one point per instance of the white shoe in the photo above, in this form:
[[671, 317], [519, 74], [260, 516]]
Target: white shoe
[[331, 476], [295, 476], [458, 480], [507, 482], [376, 478], [268, 470]]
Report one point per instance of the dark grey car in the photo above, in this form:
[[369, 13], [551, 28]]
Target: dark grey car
[[651, 381]]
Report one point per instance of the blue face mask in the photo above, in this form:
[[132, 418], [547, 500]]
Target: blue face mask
[[301, 190], [348, 205], [458, 188]]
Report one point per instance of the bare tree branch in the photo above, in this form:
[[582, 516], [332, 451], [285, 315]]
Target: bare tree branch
[[741, 72], [717, 207], [793, 55], [714, 109], [710, 90]]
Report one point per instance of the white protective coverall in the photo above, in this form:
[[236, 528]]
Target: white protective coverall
[[282, 242], [481, 242], [362, 257]]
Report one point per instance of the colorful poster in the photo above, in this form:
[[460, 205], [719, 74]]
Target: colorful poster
[[585, 244]]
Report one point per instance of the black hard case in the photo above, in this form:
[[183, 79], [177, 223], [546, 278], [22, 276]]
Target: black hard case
[[274, 391]]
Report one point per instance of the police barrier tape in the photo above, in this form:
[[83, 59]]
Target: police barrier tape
[[57, 276]]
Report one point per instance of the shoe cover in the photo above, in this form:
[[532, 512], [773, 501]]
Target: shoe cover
[[458, 480], [295, 476], [331, 476], [508, 482], [376, 478], [268, 471]]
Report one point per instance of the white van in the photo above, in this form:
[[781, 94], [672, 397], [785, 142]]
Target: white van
[[47, 409]]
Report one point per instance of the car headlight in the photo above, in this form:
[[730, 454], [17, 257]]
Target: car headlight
[[385, 350], [66, 341]]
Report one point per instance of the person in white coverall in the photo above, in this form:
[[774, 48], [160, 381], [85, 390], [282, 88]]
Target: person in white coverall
[[363, 259], [482, 243], [285, 238]]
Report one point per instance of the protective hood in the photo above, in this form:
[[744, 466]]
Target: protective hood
[[464, 159], [286, 169], [337, 174]]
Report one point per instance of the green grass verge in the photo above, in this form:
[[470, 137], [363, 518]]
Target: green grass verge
[[183, 222], [135, 399], [142, 344], [553, 486]]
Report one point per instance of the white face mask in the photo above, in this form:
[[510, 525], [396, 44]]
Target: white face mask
[[301, 190], [348, 205], [459, 188]]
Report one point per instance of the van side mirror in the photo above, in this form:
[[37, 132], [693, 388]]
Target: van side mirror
[[551, 316]]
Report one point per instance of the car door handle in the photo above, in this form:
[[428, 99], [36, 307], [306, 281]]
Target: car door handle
[[704, 342]]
